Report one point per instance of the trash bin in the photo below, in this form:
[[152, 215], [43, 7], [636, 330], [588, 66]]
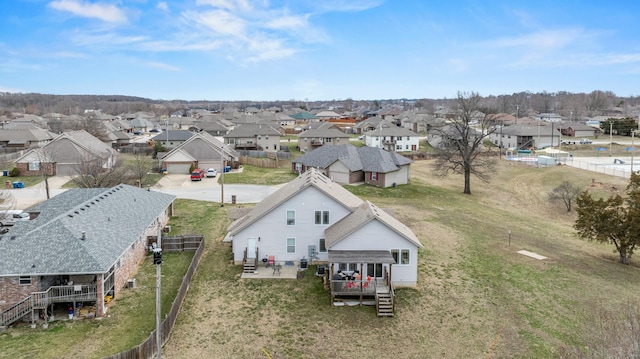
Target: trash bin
[[5, 173], [233, 199], [303, 263], [7, 184], [18, 184], [227, 169]]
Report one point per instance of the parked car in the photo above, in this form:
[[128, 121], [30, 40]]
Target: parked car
[[137, 133], [197, 174], [212, 172], [10, 217], [155, 130], [585, 141]]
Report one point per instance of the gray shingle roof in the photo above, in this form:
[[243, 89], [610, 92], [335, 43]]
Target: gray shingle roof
[[252, 130], [310, 178], [365, 213], [174, 135], [112, 218], [368, 159]]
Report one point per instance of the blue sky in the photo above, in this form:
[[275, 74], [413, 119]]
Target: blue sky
[[317, 49]]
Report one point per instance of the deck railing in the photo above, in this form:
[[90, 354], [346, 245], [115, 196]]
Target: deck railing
[[65, 293], [40, 300], [353, 287], [15, 312]]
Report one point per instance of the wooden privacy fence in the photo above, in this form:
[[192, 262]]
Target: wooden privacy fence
[[259, 162], [148, 348], [177, 243]]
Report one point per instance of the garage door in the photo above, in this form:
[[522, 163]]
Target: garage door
[[66, 169], [339, 177], [178, 168]]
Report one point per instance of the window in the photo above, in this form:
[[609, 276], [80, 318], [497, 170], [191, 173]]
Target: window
[[322, 217], [374, 176], [348, 266], [291, 218], [406, 147], [25, 280], [322, 245], [401, 256], [34, 166], [291, 245], [398, 147]]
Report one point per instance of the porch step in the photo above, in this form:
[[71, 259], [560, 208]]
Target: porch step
[[249, 268], [384, 305]]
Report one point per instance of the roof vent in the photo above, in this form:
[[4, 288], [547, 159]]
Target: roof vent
[[84, 235]]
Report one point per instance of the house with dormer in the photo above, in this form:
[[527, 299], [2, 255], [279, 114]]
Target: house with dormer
[[312, 217]]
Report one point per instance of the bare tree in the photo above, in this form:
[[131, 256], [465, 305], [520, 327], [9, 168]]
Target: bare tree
[[140, 168], [7, 201], [463, 139], [91, 173], [565, 192]]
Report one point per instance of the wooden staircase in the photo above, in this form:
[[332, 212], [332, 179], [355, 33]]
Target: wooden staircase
[[385, 306], [249, 266], [16, 312]]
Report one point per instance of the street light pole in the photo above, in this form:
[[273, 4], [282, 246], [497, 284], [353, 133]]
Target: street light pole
[[224, 168], [166, 127], [610, 136], [632, 148]]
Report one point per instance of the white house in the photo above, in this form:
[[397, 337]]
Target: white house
[[312, 216], [393, 138]]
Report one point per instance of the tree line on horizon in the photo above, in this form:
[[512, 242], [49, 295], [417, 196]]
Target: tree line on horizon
[[570, 105]]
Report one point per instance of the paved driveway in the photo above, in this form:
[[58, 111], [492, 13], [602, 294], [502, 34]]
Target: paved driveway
[[180, 185], [210, 189]]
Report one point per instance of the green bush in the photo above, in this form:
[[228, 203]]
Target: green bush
[[15, 172], [191, 168]]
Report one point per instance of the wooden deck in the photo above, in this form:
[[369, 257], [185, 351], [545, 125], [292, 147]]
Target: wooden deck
[[40, 300]]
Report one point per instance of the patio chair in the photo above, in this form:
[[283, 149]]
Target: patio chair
[[272, 261]]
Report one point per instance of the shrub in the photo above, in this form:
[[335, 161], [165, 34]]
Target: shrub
[[15, 172]]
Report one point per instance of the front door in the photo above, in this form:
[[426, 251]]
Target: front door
[[375, 270], [251, 248]]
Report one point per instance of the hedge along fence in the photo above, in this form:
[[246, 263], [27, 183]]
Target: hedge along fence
[[148, 348]]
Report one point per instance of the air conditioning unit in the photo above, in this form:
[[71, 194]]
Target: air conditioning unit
[[131, 283], [166, 229]]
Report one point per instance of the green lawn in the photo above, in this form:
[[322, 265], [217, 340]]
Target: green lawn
[[476, 297]]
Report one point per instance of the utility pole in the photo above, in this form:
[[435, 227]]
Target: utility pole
[[610, 136], [157, 260], [224, 169]]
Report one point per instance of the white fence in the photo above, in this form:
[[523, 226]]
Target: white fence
[[606, 165]]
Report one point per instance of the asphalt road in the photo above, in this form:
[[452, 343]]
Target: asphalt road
[[208, 189]]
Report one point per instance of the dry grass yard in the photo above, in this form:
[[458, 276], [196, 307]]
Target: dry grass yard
[[476, 297]]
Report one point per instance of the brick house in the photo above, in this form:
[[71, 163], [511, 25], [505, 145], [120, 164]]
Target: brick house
[[347, 164], [64, 153], [82, 246]]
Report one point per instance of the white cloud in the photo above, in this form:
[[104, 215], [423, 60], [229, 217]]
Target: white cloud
[[105, 12], [163, 6], [541, 40], [288, 22], [243, 5], [163, 66], [11, 90], [219, 21]]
